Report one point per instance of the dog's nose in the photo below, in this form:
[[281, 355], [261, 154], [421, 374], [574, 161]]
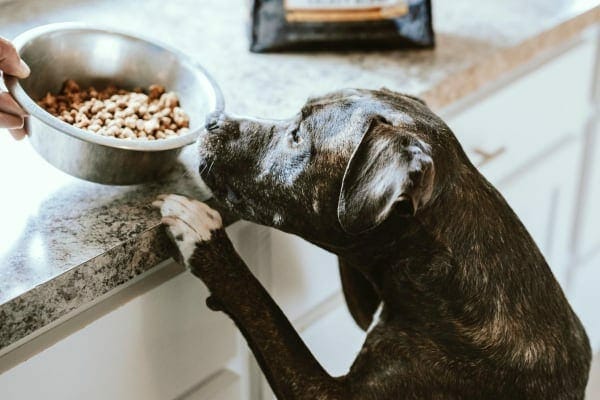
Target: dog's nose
[[213, 120]]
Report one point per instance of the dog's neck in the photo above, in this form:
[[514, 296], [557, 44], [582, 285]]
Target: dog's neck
[[469, 235]]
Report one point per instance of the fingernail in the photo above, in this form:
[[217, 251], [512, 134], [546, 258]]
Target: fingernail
[[24, 70], [18, 134]]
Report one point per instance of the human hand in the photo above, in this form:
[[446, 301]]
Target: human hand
[[11, 114]]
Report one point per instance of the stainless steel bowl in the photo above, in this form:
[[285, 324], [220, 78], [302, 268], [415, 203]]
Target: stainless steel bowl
[[97, 56]]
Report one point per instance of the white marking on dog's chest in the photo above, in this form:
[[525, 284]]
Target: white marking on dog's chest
[[277, 219], [376, 317]]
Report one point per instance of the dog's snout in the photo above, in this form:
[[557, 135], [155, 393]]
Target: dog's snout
[[213, 120]]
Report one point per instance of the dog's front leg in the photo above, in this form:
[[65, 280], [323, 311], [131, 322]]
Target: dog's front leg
[[204, 247]]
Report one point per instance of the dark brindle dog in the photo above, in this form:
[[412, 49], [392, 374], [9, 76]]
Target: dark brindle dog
[[469, 307]]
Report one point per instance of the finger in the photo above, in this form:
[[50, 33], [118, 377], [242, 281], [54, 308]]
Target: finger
[[10, 62], [18, 134], [10, 105], [157, 204], [11, 121]]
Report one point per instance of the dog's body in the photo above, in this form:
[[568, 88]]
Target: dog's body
[[468, 308]]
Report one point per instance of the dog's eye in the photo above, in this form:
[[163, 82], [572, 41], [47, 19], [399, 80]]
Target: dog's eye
[[294, 137]]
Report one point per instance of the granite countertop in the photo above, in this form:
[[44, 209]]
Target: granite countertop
[[65, 242]]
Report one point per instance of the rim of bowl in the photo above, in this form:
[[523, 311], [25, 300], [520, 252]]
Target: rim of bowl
[[216, 101]]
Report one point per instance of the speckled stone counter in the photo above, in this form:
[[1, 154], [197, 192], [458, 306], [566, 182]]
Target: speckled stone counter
[[65, 242]]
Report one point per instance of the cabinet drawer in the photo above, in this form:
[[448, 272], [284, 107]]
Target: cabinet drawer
[[302, 275], [157, 346], [523, 120]]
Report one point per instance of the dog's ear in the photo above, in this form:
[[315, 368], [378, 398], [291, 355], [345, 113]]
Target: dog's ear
[[389, 170]]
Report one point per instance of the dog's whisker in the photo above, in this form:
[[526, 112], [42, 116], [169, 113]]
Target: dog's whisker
[[211, 165], [203, 168]]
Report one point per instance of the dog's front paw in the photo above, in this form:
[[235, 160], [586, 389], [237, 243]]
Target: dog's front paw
[[189, 222]]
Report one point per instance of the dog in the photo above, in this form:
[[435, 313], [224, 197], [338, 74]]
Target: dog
[[456, 297]]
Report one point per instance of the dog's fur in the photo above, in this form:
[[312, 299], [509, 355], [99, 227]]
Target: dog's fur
[[469, 307]]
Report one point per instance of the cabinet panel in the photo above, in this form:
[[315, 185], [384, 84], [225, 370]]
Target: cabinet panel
[[156, 346], [303, 275]]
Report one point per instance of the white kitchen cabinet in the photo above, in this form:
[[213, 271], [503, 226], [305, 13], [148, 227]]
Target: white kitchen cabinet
[[157, 346]]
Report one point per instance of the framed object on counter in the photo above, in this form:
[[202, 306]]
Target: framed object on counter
[[280, 25]]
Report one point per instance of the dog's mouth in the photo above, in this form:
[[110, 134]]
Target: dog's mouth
[[219, 187]]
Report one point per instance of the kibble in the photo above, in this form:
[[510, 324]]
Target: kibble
[[154, 114]]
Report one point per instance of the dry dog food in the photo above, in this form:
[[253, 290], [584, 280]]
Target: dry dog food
[[119, 113]]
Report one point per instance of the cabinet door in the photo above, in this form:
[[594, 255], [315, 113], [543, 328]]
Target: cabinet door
[[298, 274], [156, 346], [302, 274]]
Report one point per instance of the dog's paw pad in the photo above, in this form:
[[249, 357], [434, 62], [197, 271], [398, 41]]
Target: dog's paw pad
[[188, 221]]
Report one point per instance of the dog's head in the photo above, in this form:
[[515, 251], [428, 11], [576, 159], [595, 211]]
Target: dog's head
[[347, 162]]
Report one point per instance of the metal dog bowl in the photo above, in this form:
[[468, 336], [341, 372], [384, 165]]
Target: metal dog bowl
[[97, 56]]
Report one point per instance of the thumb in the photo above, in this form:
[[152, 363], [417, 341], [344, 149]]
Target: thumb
[[10, 62]]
